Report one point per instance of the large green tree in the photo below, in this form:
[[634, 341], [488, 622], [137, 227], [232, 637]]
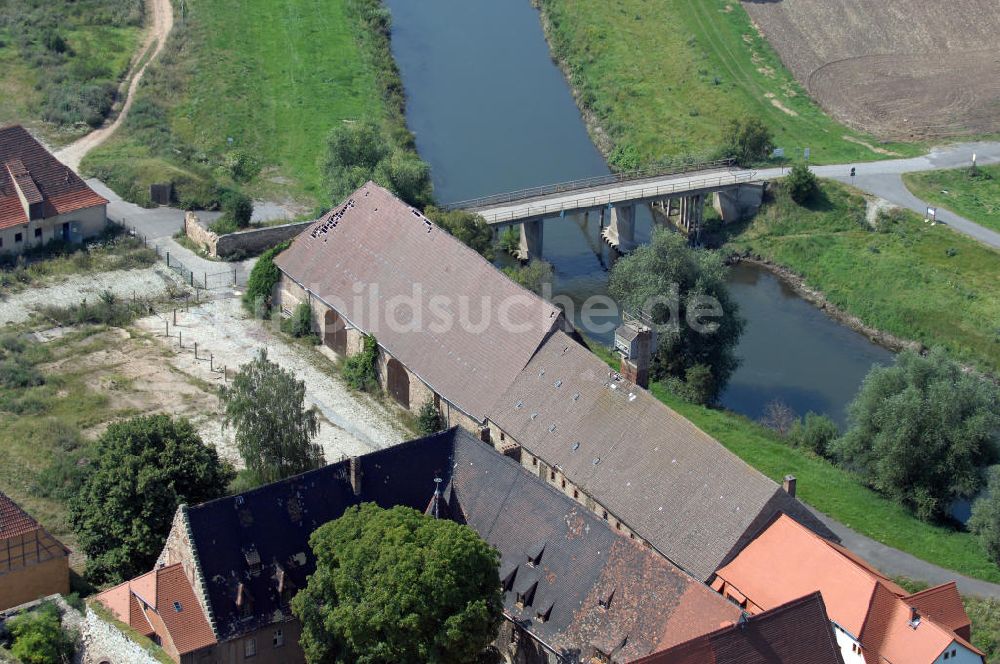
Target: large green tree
[[467, 226], [265, 405], [683, 290], [398, 586], [985, 520], [921, 432], [748, 140], [143, 469]]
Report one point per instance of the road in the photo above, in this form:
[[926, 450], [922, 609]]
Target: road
[[884, 179], [162, 23]]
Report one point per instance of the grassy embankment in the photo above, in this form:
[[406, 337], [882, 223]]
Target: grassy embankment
[[910, 279], [61, 63], [830, 489], [275, 76], [975, 197], [662, 77]]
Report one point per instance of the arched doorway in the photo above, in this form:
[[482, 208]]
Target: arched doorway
[[334, 332], [398, 383]]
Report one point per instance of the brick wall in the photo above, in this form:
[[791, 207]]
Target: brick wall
[[250, 241]]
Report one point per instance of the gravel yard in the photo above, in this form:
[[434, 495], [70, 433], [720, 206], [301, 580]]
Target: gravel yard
[[351, 423], [149, 282]]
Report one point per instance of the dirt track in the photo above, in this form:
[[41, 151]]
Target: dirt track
[[901, 69], [162, 23]]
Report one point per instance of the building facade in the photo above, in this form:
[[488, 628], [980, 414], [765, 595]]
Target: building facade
[[33, 564]]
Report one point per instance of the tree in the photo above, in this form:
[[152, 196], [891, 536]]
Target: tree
[[683, 290], [406, 175], [779, 417], [532, 276], [398, 586], [144, 468], [748, 140], [801, 183], [921, 431], [359, 370], [274, 430], [429, 420], [985, 520], [39, 637], [466, 226], [263, 278], [815, 433]]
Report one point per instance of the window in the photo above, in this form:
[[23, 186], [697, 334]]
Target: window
[[564, 482], [534, 461], [618, 525], [552, 475], [279, 638], [1, 241], [604, 514], [576, 494], [502, 437], [177, 607], [18, 237], [38, 232], [249, 648]]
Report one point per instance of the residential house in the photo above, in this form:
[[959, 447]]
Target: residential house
[[642, 467], [875, 620], [574, 591], [33, 563], [450, 327], [797, 632], [40, 198]]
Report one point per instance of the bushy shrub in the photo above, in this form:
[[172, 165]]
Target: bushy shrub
[[429, 420], [802, 184], [263, 278], [241, 165], [985, 520], [300, 324], [236, 207], [39, 637], [466, 226], [815, 433], [17, 373], [748, 140], [359, 370]]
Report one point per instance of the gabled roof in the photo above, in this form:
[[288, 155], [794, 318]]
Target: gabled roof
[[944, 606], [376, 243], [162, 602], [42, 177], [666, 479], [23, 541], [576, 561], [787, 560], [797, 632], [13, 520]]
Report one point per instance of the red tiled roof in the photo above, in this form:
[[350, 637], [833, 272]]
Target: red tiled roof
[[168, 593], [39, 173], [944, 605], [797, 632], [376, 242], [13, 520]]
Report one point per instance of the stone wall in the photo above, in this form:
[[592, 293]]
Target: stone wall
[[104, 642], [245, 242]]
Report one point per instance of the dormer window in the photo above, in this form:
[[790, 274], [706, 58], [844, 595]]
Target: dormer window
[[605, 601], [534, 554], [544, 611], [526, 595], [253, 560]]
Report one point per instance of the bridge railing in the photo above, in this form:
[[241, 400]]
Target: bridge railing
[[586, 183], [608, 199]]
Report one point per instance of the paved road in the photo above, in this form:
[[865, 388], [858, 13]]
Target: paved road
[[884, 179], [897, 563]]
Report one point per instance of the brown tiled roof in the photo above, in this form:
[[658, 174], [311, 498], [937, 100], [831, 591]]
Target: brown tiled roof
[[61, 189], [162, 598], [376, 241], [944, 606], [794, 633], [663, 477], [13, 520]]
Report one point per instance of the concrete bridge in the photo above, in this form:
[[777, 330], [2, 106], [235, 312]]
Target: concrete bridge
[[680, 194]]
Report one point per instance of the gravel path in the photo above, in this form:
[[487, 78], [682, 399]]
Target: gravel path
[[351, 424], [149, 282]]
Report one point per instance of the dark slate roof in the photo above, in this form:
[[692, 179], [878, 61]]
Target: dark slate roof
[[374, 240], [274, 522], [580, 562], [662, 476], [42, 179], [798, 632]]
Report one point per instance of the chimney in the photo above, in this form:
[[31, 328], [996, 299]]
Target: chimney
[[355, 475], [789, 485], [635, 342], [914, 617], [437, 498]]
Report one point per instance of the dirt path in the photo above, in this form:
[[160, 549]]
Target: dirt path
[[162, 23]]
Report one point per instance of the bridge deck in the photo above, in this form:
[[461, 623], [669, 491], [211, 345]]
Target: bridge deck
[[632, 191]]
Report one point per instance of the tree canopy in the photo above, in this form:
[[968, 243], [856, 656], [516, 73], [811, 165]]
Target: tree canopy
[[985, 520], [748, 140], [801, 183], [684, 291], [39, 637], [398, 586], [144, 468], [467, 226], [921, 432], [274, 431]]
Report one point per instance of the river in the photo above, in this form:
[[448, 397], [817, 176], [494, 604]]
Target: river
[[491, 112]]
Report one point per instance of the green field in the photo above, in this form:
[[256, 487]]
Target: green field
[[913, 280], [664, 76], [61, 63], [274, 76], [830, 489], [975, 197]]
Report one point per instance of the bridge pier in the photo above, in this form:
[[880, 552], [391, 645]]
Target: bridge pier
[[531, 240], [739, 202], [691, 213], [620, 233]]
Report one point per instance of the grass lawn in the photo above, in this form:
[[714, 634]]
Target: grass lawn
[[830, 489], [976, 198], [274, 76], [664, 76], [908, 278], [61, 62]]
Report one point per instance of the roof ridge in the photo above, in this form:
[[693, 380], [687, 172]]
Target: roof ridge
[[932, 589]]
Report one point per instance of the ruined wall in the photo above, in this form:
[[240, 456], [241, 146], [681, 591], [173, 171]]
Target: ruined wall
[[249, 241], [104, 642]]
